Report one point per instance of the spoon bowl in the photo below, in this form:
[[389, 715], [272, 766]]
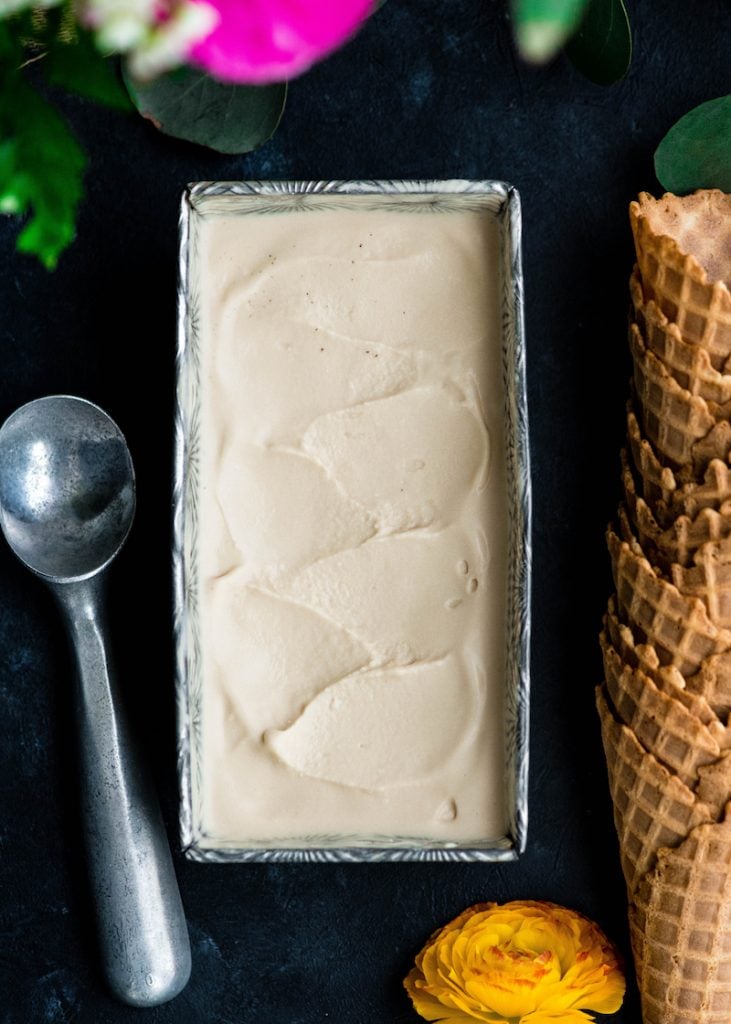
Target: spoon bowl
[[67, 487]]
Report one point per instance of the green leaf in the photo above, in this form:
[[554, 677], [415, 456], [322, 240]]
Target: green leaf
[[543, 26], [602, 48], [79, 67], [41, 168], [696, 152], [189, 105]]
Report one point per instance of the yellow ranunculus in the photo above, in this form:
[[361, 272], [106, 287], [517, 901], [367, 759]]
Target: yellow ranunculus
[[524, 962]]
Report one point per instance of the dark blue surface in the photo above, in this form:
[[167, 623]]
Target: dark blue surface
[[431, 88]]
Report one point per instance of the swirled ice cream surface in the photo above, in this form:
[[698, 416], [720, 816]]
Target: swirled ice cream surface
[[351, 552]]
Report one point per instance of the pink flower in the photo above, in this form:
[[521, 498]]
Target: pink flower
[[261, 41]]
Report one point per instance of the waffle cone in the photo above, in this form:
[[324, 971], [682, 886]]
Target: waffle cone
[[715, 445], [677, 626], [714, 784], [680, 924], [637, 521], [641, 522], [690, 365], [707, 693], [665, 489], [645, 658], [687, 536], [672, 418], [657, 481], [653, 809], [627, 533], [629, 483], [664, 725], [713, 492], [678, 543], [713, 682], [665, 705], [709, 578], [689, 289]]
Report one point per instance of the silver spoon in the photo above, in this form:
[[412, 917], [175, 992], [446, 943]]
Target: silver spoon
[[67, 499]]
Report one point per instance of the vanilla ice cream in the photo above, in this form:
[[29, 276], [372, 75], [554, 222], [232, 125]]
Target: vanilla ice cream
[[352, 525]]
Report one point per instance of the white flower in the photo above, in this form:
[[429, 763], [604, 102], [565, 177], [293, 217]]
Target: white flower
[[170, 42], [156, 35], [119, 25]]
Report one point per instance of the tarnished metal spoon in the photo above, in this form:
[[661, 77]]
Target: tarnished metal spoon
[[67, 499]]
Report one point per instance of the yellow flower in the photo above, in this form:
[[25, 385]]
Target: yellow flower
[[524, 962]]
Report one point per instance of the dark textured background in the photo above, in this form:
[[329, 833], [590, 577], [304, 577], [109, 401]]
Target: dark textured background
[[431, 88]]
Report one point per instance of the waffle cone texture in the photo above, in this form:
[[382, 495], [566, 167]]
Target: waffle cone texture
[[666, 641]]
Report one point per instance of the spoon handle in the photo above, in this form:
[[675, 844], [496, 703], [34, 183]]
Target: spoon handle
[[141, 923]]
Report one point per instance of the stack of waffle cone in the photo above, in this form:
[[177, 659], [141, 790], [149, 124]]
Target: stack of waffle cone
[[666, 643]]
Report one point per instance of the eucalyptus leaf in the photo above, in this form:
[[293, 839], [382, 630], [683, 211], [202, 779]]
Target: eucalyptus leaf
[[543, 26], [189, 105], [602, 48], [696, 152]]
